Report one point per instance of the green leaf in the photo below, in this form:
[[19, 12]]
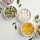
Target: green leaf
[[0, 8], [30, 39], [19, 5], [15, 27], [17, 1], [37, 20], [13, 23], [36, 17]]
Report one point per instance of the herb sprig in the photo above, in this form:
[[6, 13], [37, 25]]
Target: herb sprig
[[19, 5], [13, 23], [32, 38], [36, 19]]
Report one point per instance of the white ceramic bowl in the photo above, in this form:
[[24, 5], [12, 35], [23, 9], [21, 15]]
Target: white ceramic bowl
[[4, 13], [36, 32], [26, 16], [25, 34], [5, 3]]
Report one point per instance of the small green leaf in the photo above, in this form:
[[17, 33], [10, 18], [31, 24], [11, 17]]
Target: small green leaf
[[15, 27], [13, 23], [0, 8], [19, 5], [30, 39], [36, 20], [36, 17], [17, 1]]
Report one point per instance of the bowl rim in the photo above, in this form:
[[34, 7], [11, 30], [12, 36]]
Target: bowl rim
[[36, 32], [4, 13], [6, 4], [27, 18], [25, 34]]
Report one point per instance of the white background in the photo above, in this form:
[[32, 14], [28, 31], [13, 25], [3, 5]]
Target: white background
[[7, 30]]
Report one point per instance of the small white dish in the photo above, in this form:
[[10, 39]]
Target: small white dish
[[3, 12], [24, 15]]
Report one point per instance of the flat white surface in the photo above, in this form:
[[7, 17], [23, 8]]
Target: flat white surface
[[7, 30]]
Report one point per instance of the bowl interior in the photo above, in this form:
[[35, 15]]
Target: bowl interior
[[13, 13], [25, 34], [24, 15]]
